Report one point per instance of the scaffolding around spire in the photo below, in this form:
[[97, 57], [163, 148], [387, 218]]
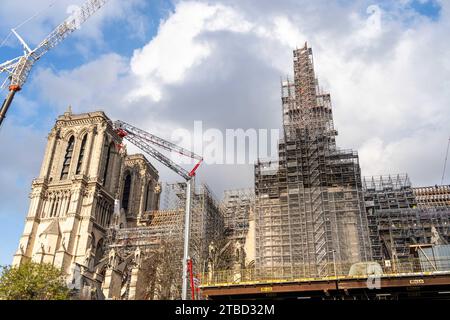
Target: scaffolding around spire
[[309, 212]]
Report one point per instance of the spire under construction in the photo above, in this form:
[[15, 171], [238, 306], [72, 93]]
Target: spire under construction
[[309, 209]]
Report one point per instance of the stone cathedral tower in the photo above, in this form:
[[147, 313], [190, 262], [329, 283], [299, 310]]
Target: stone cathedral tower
[[72, 200]]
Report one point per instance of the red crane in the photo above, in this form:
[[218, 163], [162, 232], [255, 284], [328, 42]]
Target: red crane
[[147, 142]]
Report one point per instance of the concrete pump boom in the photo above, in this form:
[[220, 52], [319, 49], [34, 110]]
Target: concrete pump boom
[[145, 141]]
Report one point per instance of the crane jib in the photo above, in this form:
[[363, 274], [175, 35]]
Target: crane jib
[[192, 173], [147, 142]]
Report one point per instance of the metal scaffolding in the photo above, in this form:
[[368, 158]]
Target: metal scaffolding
[[207, 218], [402, 228], [238, 206], [164, 228], [156, 226], [433, 196], [384, 193], [309, 207], [397, 222]]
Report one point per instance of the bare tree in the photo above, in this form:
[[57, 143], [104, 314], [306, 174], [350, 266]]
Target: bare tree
[[162, 270]]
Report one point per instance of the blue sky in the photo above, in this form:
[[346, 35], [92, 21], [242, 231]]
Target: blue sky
[[122, 39], [427, 8], [164, 64]]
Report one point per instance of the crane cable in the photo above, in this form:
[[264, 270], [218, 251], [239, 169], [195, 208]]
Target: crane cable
[[26, 21], [445, 162]]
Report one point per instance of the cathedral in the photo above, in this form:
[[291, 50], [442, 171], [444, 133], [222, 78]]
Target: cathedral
[[87, 186], [95, 213]]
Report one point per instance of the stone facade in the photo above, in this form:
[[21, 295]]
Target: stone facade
[[139, 191], [85, 172]]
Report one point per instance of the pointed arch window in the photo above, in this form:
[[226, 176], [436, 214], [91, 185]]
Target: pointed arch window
[[108, 162], [148, 197], [99, 252], [81, 156], [126, 193], [68, 158]]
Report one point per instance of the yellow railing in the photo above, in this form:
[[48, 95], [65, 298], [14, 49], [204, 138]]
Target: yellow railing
[[330, 272]]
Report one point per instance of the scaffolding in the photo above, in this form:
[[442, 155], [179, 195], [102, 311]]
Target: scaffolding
[[397, 221], [164, 230], [309, 207], [156, 229], [387, 183], [238, 206], [207, 218], [433, 196], [383, 193], [400, 229], [156, 226], [417, 267]]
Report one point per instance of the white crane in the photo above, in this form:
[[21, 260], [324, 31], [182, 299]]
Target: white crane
[[146, 142], [18, 69]]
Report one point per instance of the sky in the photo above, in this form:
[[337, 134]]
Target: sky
[[161, 65]]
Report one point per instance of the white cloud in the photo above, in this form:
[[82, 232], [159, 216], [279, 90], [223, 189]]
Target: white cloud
[[176, 48], [221, 61], [370, 28], [83, 86], [286, 32]]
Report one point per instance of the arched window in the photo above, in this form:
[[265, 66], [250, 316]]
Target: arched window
[[68, 158], [126, 192], [108, 162], [98, 252], [148, 197], [93, 242], [81, 156]]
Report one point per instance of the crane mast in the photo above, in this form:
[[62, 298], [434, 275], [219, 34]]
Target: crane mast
[[146, 142], [18, 69]]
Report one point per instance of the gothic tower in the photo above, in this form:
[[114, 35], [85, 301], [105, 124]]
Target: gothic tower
[[139, 189], [72, 200]]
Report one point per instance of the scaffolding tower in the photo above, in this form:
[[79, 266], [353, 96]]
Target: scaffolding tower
[[401, 216], [309, 206], [385, 193]]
